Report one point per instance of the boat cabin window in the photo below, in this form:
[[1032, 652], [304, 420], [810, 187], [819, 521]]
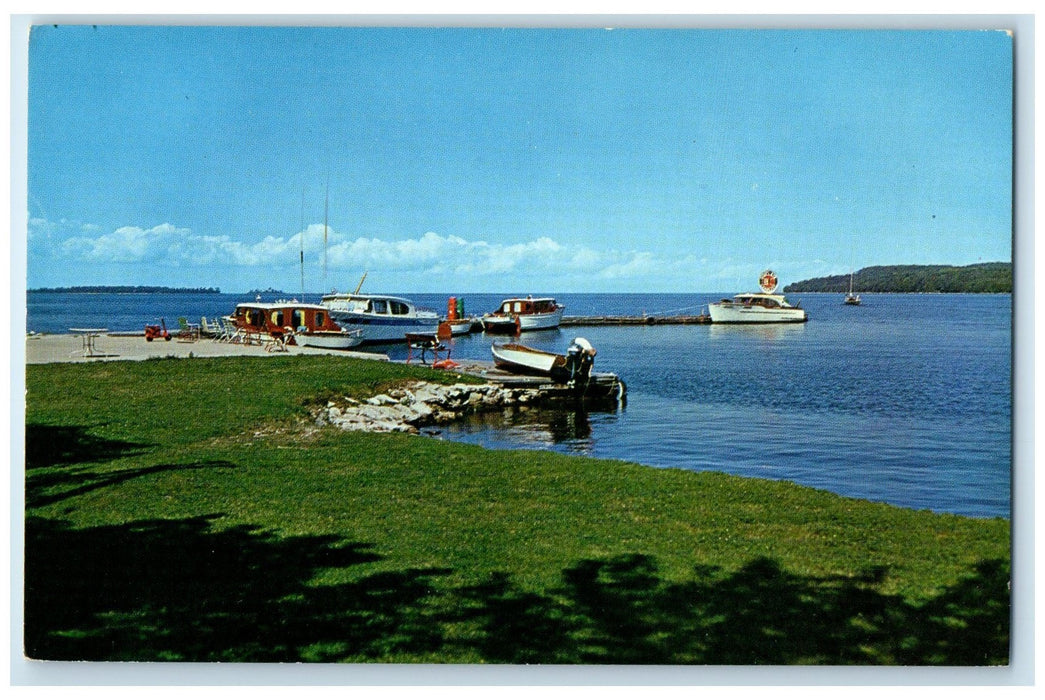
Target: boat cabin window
[[297, 317], [517, 306], [277, 318], [321, 319], [377, 306], [252, 317], [399, 308], [764, 302]]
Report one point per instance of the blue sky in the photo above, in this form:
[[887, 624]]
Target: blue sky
[[522, 160]]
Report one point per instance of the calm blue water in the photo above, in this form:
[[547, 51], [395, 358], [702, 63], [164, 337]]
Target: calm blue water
[[906, 399]]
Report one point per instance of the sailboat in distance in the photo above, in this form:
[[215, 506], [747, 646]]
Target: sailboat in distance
[[850, 298]]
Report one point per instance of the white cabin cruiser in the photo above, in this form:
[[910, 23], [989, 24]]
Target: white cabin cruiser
[[518, 314], [380, 318], [757, 307]]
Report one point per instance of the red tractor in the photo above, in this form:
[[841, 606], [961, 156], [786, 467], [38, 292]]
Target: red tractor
[[159, 331]]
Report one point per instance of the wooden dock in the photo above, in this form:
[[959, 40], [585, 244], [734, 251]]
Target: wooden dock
[[603, 386], [633, 320]]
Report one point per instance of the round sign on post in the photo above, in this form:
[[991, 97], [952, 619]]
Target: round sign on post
[[767, 282]]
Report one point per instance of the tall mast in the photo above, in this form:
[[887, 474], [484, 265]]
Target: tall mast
[[326, 211], [302, 234]]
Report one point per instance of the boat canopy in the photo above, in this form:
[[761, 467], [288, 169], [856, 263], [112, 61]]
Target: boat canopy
[[545, 305], [369, 304], [764, 300], [280, 315]]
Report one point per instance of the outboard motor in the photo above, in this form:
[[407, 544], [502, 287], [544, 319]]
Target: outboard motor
[[580, 357]]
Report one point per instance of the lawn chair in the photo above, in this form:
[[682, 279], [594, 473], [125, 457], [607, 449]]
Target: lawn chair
[[228, 330], [187, 332], [236, 334], [277, 341], [210, 329], [223, 332]]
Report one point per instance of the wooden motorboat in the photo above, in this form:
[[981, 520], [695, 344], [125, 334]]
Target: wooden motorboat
[[573, 369], [522, 359], [529, 314], [303, 324]]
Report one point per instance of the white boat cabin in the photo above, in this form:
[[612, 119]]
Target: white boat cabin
[[545, 305]]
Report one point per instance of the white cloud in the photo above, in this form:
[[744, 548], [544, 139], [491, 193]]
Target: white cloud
[[127, 244], [431, 255]]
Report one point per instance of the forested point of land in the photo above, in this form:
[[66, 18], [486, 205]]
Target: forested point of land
[[982, 278], [130, 289]]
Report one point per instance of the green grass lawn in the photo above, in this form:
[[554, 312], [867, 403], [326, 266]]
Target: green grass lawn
[[189, 510]]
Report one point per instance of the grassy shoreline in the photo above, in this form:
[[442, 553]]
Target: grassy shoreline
[[190, 510]]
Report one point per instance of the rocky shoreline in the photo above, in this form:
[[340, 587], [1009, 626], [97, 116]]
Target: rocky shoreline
[[409, 408]]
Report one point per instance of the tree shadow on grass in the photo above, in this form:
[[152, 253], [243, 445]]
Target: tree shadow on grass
[[47, 489], [187, 590], [59, 463], [619, 611], [183, 590], [64, 445]]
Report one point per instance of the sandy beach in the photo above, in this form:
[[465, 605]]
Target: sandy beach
[[48, 348]]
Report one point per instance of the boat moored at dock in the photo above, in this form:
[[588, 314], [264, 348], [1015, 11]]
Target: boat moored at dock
[[455, 318], [524, 314], [380, 318], [757, 307], [515, 357], [572, 369], [307, 324]]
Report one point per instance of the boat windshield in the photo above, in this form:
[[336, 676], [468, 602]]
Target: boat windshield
[[765, 302]]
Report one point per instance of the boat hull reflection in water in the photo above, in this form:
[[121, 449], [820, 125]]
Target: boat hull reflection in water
[[566, 429]]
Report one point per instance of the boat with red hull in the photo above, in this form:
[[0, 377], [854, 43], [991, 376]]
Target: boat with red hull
[[307, 325]]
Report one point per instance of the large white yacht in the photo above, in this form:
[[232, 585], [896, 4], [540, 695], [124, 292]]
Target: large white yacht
[[757, 307], [380, 318]]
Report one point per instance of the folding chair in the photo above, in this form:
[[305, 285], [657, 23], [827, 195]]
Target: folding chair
[[186, 332]]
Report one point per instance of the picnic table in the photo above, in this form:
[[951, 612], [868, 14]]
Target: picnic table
[[87, 336]]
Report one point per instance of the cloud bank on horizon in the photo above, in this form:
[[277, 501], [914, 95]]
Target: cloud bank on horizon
[[420, 264]]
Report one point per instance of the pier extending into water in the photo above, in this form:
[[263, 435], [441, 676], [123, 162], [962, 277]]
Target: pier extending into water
[[634, 320]]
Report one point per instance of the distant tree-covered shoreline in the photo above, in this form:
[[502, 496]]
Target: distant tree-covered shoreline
[[128, 289], [981, 278]]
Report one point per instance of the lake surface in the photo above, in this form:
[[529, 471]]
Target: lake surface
[[906, 399]]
